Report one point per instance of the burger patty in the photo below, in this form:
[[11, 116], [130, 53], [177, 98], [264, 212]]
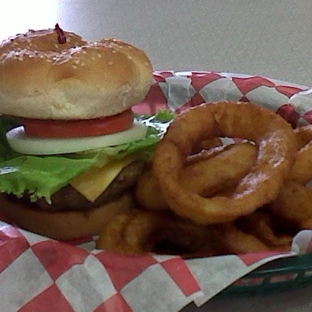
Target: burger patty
[[68, 198]]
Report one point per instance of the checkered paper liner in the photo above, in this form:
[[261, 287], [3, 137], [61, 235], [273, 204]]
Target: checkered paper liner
[[40, 274]]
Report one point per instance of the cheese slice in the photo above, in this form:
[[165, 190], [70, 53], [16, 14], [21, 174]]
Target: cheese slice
[[95, 181]]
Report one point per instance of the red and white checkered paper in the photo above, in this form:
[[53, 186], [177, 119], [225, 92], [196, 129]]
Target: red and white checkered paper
[[40, 274]]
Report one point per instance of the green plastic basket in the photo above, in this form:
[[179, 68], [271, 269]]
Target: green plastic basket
[[278, 275]]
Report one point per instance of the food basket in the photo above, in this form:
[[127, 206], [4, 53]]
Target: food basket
[[56, 276]]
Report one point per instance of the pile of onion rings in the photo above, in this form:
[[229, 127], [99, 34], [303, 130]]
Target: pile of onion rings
[[139, 232], [202, 197]]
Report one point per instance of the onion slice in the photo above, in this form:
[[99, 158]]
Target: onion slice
[[22, 143]]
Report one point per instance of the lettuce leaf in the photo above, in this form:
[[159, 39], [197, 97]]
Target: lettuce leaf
[[41, 176]]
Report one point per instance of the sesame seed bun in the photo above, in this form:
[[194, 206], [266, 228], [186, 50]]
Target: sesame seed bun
[[44, 79]]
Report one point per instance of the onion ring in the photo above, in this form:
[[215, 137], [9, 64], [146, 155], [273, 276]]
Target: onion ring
[[224, 171], [206, 177], [148, 192], [261, 225], [303, 135], [204, 154], [111, 236], [142, 232], [277, 149], [238, 242], [294, 204], [207, 144], [302, 168]]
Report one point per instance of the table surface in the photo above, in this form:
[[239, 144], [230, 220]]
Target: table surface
[[267, 38]]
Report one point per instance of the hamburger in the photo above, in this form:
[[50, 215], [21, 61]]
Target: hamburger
[[71, 148]]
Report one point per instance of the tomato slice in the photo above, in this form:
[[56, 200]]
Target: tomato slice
[[78, 128]]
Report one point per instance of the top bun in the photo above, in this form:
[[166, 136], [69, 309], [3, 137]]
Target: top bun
[[44, 79]]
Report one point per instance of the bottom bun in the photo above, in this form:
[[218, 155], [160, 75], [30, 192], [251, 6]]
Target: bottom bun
[[65, 225]]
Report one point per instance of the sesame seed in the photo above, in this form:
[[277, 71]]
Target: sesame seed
[[110, 63], [99, 55], [74, 67], [56, 46]]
